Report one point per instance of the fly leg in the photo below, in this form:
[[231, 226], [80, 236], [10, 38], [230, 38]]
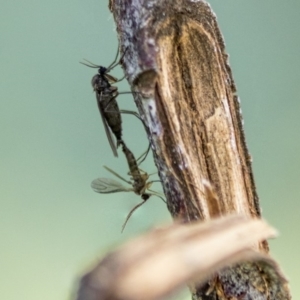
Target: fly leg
[[132, 211], [115, 62]]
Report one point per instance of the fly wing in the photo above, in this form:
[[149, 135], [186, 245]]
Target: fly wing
[[107, 129], [107, 186], [110, 78]]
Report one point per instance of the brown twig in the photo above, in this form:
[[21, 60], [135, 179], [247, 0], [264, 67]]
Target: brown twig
[[176, 62]]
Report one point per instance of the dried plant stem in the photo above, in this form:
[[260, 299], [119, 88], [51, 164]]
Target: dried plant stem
[[176, 63]]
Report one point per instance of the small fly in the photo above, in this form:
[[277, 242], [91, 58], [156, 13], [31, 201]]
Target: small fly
[[139, 177], [139, 183], [106, 95]]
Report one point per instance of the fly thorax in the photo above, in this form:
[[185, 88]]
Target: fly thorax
[[95, 80], [100, 83], [139, 186]]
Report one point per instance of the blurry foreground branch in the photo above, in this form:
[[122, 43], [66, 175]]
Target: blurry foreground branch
[[163, 260]]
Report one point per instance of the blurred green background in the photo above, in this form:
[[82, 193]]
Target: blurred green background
[[52, 225]]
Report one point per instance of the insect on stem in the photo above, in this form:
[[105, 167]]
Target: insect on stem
[[106, 95], [139, 182]]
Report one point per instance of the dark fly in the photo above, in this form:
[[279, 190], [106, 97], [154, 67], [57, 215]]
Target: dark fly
[[139, 182], [106, 95]]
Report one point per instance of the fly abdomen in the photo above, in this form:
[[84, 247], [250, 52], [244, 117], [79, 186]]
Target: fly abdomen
[[139, 181], [108, 107], [111, 111], [132, 163]]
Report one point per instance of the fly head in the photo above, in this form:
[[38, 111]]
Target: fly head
[[145, 196], [102, 71]]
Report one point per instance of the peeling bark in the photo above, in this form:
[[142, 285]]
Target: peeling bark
[[176, 64]]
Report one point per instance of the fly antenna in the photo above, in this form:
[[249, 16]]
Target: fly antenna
[[89, 64]]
